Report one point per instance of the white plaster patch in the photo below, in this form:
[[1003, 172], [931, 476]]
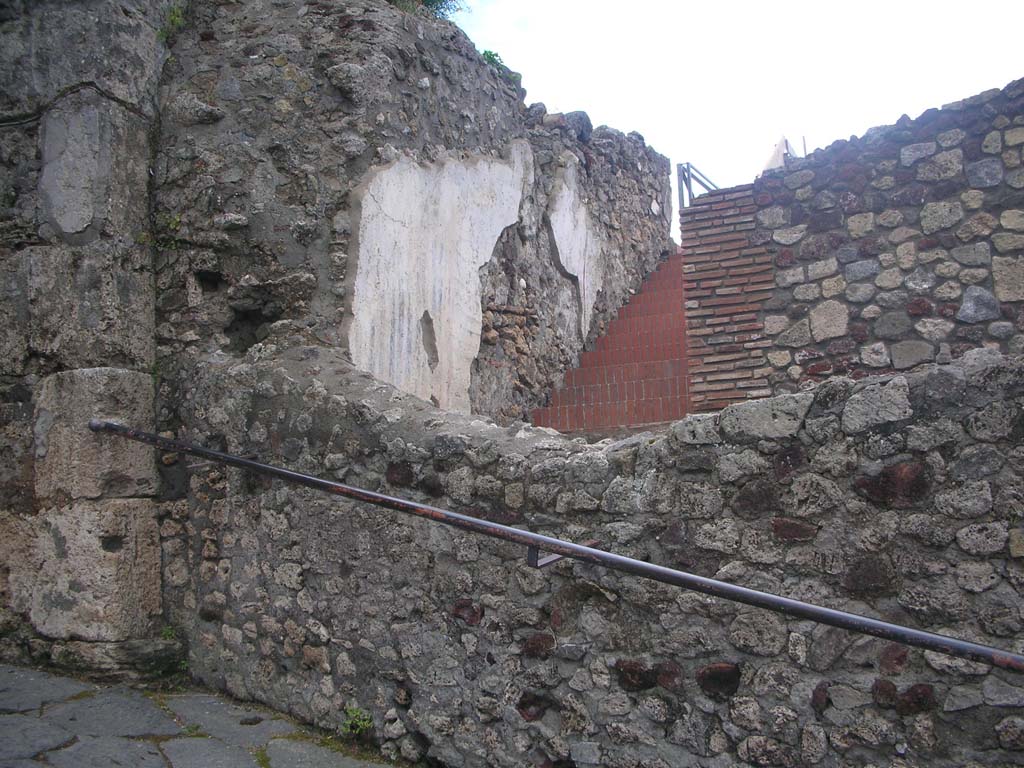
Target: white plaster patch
[[576, 237], [424, 232]]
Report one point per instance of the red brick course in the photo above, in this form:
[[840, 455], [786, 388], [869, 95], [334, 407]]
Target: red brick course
[[727, 282]]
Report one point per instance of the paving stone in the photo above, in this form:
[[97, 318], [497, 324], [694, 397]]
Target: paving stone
[[285, 753], [107, 752], [116, 712], [206, 753], [231, 723], [24, 736], [26, 690]]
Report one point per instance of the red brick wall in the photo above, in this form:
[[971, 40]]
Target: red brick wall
[[727, 282], [636, 373]]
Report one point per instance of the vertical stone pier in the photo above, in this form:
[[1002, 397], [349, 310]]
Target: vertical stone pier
[[79, 542]]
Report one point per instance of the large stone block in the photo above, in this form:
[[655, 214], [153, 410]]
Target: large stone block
[[71, 461], [775, 417], [50, 47], [91, 306], [16, 466], [14, 314], [90, 570], [94, 171]]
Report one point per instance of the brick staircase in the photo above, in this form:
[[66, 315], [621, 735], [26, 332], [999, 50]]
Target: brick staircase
[[636, 373], [690, 341]]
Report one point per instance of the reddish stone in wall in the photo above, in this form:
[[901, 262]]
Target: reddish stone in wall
[[884, 693], [789, 529], [871, 575], [469, 613], [820, 698], [893, 658], [635, 675], [920, 307], [916, 699], [670, 675], [899, 485], [539, 646], [719, 680]]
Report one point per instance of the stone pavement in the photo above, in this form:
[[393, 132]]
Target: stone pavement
[[58, 721]]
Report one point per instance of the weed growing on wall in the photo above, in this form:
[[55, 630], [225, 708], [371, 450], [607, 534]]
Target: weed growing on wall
[[174, 22], [442, 9]]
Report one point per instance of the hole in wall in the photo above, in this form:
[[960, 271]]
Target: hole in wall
[[209, 280], [112, 543], [248, 327], [429, 339]]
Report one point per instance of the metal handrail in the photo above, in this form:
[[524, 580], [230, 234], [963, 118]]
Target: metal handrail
[[688, 174], [536, 543]]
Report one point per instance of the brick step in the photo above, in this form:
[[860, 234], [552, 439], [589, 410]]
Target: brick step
[[673, 316], [640, 342], [626, 372], [651, 350], [615, 393], [654, 304], [581, 418]]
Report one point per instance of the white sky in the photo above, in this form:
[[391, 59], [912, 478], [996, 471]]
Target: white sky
[[717, 84]]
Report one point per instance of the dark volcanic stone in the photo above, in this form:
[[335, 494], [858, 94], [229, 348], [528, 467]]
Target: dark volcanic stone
[[788, 460], [820, 698], [539, 646], [755, 499], [789, 529], [884, 693], [469, 613], [898, 485], [670, 675], [635, 675], [400, 473], [919, 307], [532, 706], [871, 575], [917, 698], [719, 680], [893, 658]]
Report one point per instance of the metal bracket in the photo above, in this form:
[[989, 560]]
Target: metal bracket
[[534, 560]]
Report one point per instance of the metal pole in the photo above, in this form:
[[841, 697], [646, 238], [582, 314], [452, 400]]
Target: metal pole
[[928, 640]]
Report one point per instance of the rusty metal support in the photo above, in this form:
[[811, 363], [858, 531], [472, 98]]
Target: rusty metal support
[[536, 543]]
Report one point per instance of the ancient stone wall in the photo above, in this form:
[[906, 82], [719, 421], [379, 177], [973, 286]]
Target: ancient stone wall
[[79, 551], [897, 248], [365, 171], [898, 497]]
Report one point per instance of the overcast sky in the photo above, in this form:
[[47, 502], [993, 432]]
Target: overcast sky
[[717, 84]]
